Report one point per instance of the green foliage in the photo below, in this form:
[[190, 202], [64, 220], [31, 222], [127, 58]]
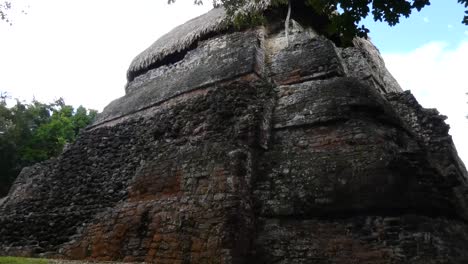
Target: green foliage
[[4, 7], [465, 18], [248, 19], [34, 132], [344, 16], [18, 260]]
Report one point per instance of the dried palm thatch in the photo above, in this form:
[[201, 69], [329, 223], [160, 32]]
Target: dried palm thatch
[[183, 36], [178, 39]]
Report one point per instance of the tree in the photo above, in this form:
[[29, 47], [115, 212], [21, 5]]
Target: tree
[[4, 7], [35, 132], [343, 16]]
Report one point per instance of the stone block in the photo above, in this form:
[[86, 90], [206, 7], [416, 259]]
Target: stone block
[[305, 58], [214, 60]]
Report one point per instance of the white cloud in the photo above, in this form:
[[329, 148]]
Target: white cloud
[[80, 49], [437, 76], [426, 19], [450, 26]]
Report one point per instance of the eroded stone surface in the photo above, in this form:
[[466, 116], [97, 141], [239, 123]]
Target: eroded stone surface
[[362, 239], [252, 150], [219, 59], [339, 148], [364, 62]]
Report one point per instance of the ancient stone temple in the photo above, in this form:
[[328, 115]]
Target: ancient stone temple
[[239, 146]]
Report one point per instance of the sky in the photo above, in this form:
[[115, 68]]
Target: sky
[[80, 50]]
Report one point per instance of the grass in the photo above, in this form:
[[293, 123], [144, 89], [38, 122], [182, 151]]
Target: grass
[[17, 260]]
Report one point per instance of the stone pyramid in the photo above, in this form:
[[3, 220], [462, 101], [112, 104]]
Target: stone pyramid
[[239, 146]]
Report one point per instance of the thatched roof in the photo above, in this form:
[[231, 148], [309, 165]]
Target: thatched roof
[[178, 39], [183, 36]]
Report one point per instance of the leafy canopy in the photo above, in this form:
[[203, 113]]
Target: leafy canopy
[[34, 132], [344, 16], [4, 7]]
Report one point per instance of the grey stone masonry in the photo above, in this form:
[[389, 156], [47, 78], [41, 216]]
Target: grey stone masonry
[[245, 147]]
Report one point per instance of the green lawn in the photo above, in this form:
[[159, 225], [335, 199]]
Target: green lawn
[[16, 260]]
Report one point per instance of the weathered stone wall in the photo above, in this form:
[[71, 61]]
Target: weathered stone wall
[[190, 199], [221, 58], [173, 180], [251, 149], [373, 239]]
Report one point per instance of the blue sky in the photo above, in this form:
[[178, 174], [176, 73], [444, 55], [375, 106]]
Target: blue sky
[[80, 50], [428, 54], [441, 21]]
